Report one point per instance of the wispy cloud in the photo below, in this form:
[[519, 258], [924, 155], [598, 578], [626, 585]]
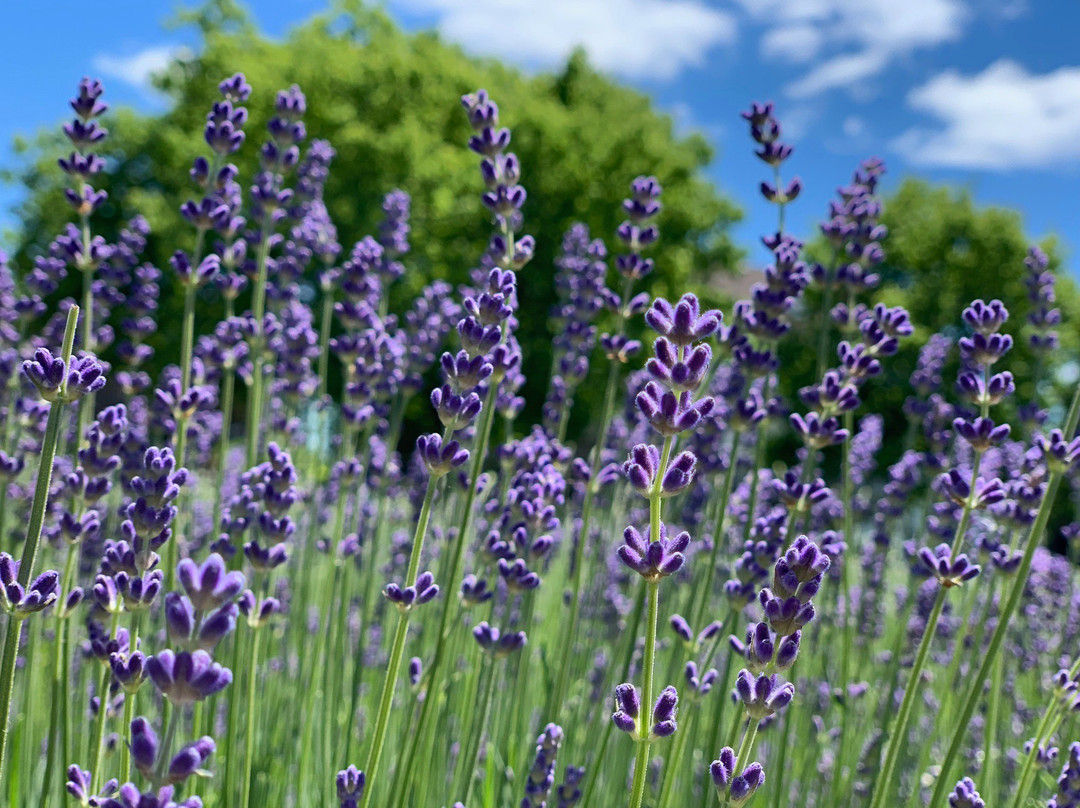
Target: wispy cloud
[[139, 67], [1002, 118], [637, 39], [857, 38]]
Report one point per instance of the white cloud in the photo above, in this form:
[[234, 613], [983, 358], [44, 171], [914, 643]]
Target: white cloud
[[863, 36], [137, 68], [853, 126], [840, 71], [1004, 117], [792, 43], [634, 38]]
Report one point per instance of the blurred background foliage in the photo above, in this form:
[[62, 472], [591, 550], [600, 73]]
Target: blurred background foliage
[[387, 102]]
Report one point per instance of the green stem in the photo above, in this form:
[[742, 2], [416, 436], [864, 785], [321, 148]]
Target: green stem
[[325, 326], [33, 535], [975, 685], [249, 743], [671, 774], [471, 760], [896, 739], [398, 649], [255, 403], [704, 590], [228, 392], [993, 713], [1034, 537], [759, 461], [558, 694], [98, 739], [641, 762]]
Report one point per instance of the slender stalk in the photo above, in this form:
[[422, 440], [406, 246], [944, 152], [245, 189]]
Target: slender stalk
[[33, 536], [704, 590], [975, 684], [86, 404], [641, 761], [993, 714], [1043, 732], [759, 461], [1034, 537], [97, 741], [848, 625], [897, 738], [479, 453], [258, 306], [398, 650], [249, 743], [471, 758], [325, 326], [671, 775], [228, 393]]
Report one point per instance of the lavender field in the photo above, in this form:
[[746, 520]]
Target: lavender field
[[241, 580]]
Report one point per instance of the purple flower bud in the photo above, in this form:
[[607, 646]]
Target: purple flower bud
[[492, 642], [350, 787], [187, 677], [653, 560]]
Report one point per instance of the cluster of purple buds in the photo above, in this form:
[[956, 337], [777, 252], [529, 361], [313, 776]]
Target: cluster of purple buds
[[627, 716], [56, 380], [80, 786], [406, 597], [773, 644], [273, 484], [500, 170], [765, 130], [146, 752], [949, 570], [219, 207], [394, 233], [187, 677], [855, 233], [569, 791], [1043, 318], [20, 600], [147, 520], [82, 165], [496, 643], [350, 787], [99, 458], [1068, 784], [207, 611], [1061, 455], [881, 329], [635, 233], [541, 777], [579, 283], [735, 788], [965, 795], [678, 366], [651, 557]]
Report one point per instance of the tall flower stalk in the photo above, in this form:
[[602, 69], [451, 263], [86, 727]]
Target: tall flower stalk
[[678, 368], [951, 568], [60, 380]]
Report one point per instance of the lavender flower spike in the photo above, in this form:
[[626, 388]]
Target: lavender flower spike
[[350, 787]]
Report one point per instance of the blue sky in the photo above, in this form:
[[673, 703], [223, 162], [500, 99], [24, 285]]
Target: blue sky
[[979, 93]]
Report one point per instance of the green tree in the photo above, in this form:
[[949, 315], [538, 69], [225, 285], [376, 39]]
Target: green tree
[[388, 103], [943, 251]]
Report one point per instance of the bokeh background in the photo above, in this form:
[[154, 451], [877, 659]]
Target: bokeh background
[[973, 104]]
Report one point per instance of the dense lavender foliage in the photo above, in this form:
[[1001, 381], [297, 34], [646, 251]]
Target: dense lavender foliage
[[310, 611]]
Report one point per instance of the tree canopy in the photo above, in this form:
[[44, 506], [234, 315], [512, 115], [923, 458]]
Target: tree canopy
[[387, 101]]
